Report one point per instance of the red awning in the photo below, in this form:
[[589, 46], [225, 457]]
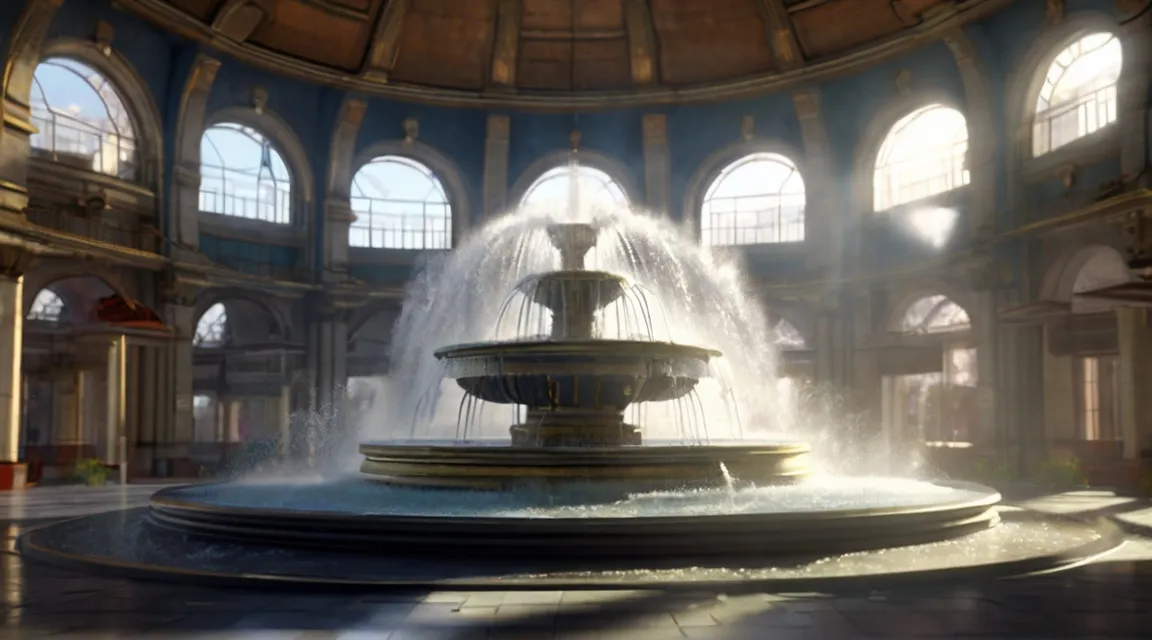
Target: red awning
[[119, 311]]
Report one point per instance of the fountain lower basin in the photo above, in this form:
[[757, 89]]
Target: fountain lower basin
[[818, 517]]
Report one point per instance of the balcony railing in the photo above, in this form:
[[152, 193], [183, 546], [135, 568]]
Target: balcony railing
[[101, 229], [1069, 122], [917, 178], [746, 220], [76, 143], [268, 205], [400, 224]]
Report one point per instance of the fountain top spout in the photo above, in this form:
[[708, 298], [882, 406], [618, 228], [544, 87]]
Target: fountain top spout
[[573, 240]]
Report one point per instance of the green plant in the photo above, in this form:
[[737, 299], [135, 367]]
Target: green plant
[[990, 470], [91, 472], [1063, 471]]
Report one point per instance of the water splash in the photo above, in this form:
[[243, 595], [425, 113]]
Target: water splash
[[729, 485]]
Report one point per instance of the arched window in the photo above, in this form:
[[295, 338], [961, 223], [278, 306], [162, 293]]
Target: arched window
[[759, 199], [923, 155], [243, 175], [212, 328], [46, 307], [81, 120], [399, 204], [934, 314], [595, 190], [788, 336], [1078, 96]]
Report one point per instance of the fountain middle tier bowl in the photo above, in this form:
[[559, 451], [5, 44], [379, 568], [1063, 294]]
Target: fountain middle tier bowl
[[608, 472], [601, 375]]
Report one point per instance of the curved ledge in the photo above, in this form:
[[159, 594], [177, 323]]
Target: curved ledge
[[931, 28], [823, 532]]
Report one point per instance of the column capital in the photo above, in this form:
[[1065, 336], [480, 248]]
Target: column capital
[[14, 261]]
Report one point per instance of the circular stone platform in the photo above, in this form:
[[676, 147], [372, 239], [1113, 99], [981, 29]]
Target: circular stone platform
[[833, 517], [125, 544], [644, 468]]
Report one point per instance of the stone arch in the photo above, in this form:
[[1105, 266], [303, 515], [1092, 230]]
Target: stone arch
[[341, 161], [982, 138], [722, 158], [79, 291], [1089, 267], [796, 315], [874, 135], [46, 274], [260, 311], [440, 164], [23, 55], [285, 141], [957, 295], [1026, 80], [190, 125], [131, 89], [588, 158]]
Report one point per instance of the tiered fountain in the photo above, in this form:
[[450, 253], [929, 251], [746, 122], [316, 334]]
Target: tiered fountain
[[576, 387], [579, 496]]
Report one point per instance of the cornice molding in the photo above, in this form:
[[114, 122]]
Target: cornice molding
[[930, 29]]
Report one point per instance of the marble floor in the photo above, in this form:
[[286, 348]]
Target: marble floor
[[1111, 598]]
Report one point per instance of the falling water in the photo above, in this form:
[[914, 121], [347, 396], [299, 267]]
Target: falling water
[[692, 295]]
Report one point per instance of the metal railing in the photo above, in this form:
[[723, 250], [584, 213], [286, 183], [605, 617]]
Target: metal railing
[[744, 220], [1066, 123], [101, 229], [400, 224], [77, 143], [254, 203], [910, 180]]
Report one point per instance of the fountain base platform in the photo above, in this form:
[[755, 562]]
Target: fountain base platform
[[644, 468], [127, 544]]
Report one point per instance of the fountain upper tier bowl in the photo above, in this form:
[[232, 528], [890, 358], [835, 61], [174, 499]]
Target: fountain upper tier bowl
[[576, 374]]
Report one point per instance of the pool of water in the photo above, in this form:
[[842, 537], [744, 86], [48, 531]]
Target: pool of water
[[353, 495]]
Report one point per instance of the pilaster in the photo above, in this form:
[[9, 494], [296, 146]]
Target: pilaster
[[1135, 338], [496, 149], [1132, 93], [657, 162], [13, 474], [821, 224], [22, 55]]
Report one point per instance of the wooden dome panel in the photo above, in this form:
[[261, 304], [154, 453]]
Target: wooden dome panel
[[828, 28], [202, 9], [706, 40], [311, 31], [446, 44]]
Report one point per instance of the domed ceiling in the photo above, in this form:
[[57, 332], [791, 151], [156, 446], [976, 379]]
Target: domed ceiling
[[553, 51]]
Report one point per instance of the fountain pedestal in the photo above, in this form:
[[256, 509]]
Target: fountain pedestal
[[574, 428]]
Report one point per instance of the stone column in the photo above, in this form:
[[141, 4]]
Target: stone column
[[1135, 340], [116, 407], [13, 473], [338, 219], [496, 146], [657, 163], [985, 320]]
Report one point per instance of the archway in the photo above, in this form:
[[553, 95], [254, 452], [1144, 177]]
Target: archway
[[928, 383]]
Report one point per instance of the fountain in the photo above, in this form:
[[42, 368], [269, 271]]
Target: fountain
[[576, 386], [579, 494]]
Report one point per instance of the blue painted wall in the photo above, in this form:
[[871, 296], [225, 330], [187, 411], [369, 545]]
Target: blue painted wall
[[695, 131]]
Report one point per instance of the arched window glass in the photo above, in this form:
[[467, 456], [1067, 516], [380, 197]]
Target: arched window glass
[[81, 120], [46, 307], [595, 190], [923, 155], [1078, 96], [935, 314], [758, 199], [243, 175], [788, 336], [211, 329], [399, 204]]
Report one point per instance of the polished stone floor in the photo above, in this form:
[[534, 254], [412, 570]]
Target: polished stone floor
[[1109, 599]]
